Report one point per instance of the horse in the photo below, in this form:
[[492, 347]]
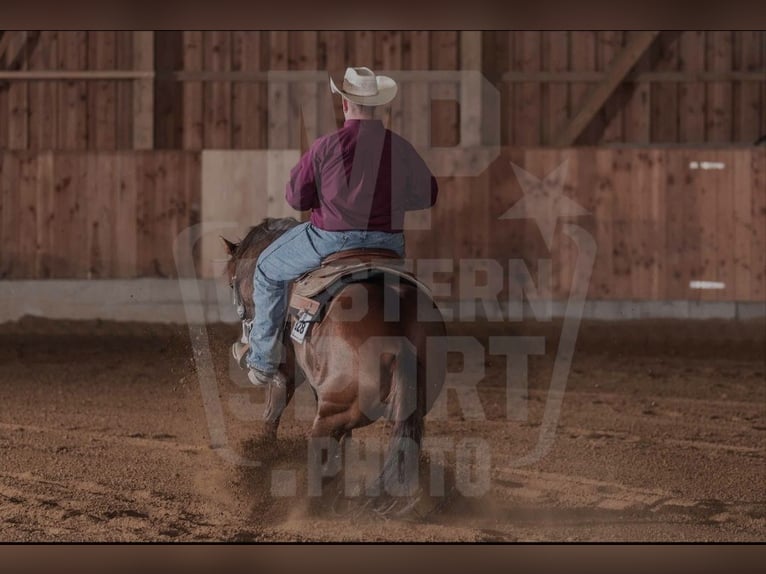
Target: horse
[[360, 370]]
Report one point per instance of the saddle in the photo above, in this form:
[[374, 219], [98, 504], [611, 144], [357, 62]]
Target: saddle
[[312, 292]]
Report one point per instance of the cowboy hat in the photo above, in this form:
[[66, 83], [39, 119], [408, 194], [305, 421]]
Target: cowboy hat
[[363, 87]]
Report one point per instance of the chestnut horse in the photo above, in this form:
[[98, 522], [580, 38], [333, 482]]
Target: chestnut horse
[[361, 368]]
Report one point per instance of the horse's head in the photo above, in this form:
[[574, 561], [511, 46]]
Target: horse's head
[[243, 256]]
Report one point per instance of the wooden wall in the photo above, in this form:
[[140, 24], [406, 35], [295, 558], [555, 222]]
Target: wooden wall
[[72, 114], [659, 220], [95, 214], [214, 114], [679, 107], [542, 77], [240, 188]]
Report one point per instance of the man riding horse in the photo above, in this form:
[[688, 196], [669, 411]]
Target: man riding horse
[[358, 182]]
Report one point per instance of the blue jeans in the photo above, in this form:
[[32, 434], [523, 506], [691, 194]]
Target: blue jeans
[[297, 251]]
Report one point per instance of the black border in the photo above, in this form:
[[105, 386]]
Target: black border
[[389, 558]]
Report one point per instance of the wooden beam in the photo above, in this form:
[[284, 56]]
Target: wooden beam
[[599, 94], [143, 91], [634, 78], [433, 76], [284, 75], [14, 48], [21, 49], [5, 41], [85, 75]]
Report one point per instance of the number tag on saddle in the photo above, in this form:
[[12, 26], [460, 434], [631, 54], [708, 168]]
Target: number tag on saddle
[[301, 327]]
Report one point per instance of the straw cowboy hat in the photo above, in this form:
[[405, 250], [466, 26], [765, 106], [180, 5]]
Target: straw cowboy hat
[[363, 87]]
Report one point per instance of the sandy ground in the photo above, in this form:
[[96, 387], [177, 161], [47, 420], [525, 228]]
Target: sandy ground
[[104, 436]]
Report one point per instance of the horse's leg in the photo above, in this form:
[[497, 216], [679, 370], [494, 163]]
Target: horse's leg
[[328, 427], [279, 397], [325, 436]]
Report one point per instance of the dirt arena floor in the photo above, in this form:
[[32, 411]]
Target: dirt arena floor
[[104, 437]]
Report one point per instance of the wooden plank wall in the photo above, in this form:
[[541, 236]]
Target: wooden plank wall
[[239, 189], [70, 115], [532, 111], [95, 214], [80, 115], [236, 114], [641, 113], [660, 220]]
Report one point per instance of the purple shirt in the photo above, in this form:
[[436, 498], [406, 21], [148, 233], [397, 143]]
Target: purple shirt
[[361, 177]]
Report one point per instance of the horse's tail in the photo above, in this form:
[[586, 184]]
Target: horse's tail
[[406, 408]]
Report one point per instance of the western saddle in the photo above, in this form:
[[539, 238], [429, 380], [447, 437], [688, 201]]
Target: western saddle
[[313, 291]]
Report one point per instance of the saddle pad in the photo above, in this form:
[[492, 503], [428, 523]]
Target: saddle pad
[[312, 292], [318, 280]]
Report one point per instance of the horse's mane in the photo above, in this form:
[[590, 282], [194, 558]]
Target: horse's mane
[[266, 231]]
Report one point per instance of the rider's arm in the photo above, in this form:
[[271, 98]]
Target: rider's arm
[[422, 186], [301, 191]]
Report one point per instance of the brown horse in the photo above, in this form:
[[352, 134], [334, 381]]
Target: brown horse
[[362, 369]]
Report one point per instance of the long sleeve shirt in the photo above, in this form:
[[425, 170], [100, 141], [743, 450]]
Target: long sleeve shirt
[[361, 177]]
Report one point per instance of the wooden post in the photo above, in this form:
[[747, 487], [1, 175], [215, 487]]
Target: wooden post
[[18, 94], [193, 93], [470, 93], [217, 110], [302, 96], [168, 93], [102, 96], [278, 103], [623, 63], [335, 63], [526, 57], [417, 105], [691, 96], [554, 95], [444, 111], [143, 93]]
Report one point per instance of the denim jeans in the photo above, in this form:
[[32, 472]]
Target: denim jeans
[[297, 251]]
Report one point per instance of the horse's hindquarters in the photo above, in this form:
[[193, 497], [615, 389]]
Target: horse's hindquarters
[[379, 352], [354, 352]]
